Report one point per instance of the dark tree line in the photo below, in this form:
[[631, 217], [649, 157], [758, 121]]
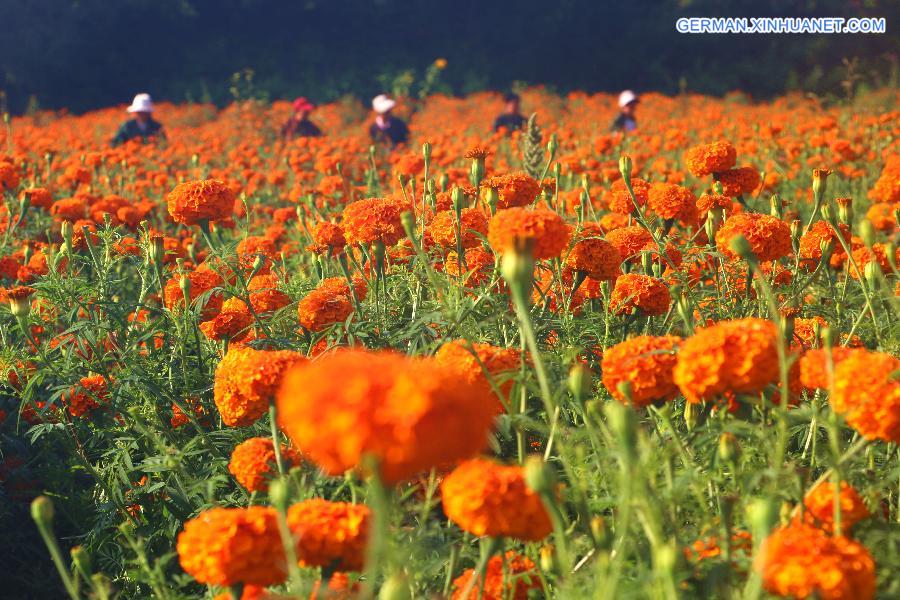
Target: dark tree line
[[82, 54]]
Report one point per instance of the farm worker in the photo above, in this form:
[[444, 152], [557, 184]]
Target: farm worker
[[511, 118], [386, 127], [626, 120], [299, 124], [143, 125]]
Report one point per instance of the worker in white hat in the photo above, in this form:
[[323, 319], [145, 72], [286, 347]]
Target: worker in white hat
[[142, 126], [387, 128], [626, 120]]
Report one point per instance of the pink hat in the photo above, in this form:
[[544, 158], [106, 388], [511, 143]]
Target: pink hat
[[302, 103]]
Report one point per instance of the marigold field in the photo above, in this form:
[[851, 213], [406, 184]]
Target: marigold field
[[558, 364]]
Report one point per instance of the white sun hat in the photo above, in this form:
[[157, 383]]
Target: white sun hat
[[141, 103], [626, 98], [382, 103]]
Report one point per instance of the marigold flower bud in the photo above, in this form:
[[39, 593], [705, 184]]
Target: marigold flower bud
[[625, 166], [579, 382], [42, 510], [729, 448], [537, 475], [867, 233], [395, 588]]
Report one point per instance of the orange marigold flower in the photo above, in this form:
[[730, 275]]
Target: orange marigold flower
[[69, 209], [708, 202], [877, 254], [179, 419], [232, 321], [88, 395], [671, 201], [482, 364], [486, 498], [867, 392], [769, 237], [736, 182], [819, 505], [372, 220], [38, 197], [227, 546], [408, 414], [633, 292], [822, 233], [542, 230], [201, 282], [9, 176], [514, 189], [619, 200], [329, 303], [646, 363], [881, 216], [814, 372], [478, 268], [192, 202], [253, 247], [265, 297], [800, 561], [253, 462], [593, 255], [738, 356], [246, 380], [509, 577], [710, 158], [330, 534], [473, 226], [327, 238], [629, 241]]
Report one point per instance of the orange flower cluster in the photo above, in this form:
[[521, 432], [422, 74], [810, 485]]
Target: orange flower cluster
[[485, 498], [246, 381], [328, 238], [409, 415], [800, 561], [373, 220], [671, 201], [739, 356], [823, 234], [769, 237], [707, 159], [88, 395], [645, 295], [473, 224], [507, 577], [482, 364], [542, 231], [646, 364], [193, 202], [887, 187], [819, 506], [593, 255], [740, 181], [514, 189], [231, 323], [867, 393], [814, 371], [227, 546], [619, 200], [330, 534], [253, 462]]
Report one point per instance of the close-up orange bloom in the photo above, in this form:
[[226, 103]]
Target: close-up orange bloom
[[542, 231], [330, 534], [482, 364], [473, 224], [739, 181], [737, 356], [671, 201], [640, 294], [593, 255], [246, 381], [801, 561], [768, 236], [373, 220], [486, 498], [710, 158], [818, 506], [193, 202], [507, 577], [90, 393], [514, 189], [253, 462], [228, 546], [408, 415], [866, 392], [814, 370], [646, 364]]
